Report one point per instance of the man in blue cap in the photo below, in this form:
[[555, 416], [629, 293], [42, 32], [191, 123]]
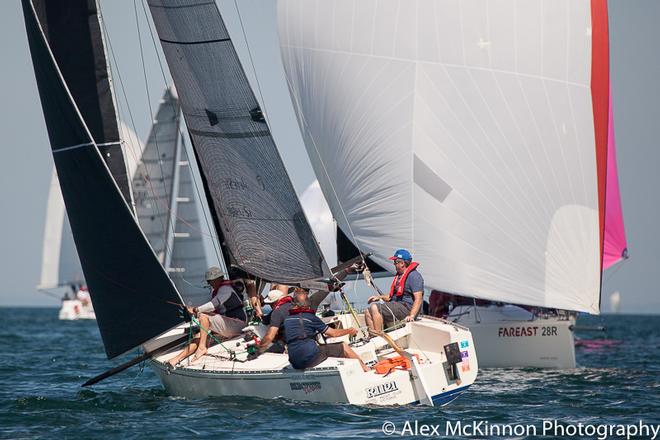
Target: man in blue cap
[[405, 299]]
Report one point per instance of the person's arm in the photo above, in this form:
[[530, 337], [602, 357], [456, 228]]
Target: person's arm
[[253, 297], [337, 333], [419, 298], [268, 338], [373, 298]]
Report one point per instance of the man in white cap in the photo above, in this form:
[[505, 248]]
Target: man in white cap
[[281, 303], [224, 315]]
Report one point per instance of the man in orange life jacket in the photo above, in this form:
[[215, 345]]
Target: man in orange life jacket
[[224, 315], [405, 299]]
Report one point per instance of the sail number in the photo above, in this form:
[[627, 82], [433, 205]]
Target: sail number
[[517, 332]]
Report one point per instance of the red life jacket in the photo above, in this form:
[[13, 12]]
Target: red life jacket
[[283, 300], [223, 283], [398, 283], [296, 310]]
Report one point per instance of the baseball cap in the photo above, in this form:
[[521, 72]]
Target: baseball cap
[[401, 254], [273, 296]]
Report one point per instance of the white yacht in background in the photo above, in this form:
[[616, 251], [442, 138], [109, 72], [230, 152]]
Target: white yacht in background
[[168, 205], [61, 274]]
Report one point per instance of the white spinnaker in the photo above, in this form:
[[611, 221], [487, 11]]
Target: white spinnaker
[[463, 131], [60, 265]]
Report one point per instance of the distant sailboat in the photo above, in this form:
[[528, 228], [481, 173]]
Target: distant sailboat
[[61, 274], [167, 205], [481, 139]]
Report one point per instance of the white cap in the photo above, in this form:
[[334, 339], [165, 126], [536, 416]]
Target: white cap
[[274, 296], [214, 273]]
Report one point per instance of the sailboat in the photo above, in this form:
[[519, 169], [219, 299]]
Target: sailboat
[[61, 274], [256, 214], [480, 138], [167, 203]]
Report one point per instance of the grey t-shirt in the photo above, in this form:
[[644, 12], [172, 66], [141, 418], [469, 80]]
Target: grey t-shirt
[[414, 283], [278, 315]]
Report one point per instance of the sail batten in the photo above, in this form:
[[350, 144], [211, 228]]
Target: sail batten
[[471, 135], [254, 204], [130, 290]]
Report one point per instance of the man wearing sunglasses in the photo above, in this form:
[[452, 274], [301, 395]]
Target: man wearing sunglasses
[[404, 300]]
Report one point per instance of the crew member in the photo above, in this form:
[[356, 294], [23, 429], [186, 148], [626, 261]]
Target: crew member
[[405, 298], [300, 330], [224, 315]]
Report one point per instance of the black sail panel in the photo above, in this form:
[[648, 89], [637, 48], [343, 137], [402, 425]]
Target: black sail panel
[[72, 29], [254, 202], [129, 288]]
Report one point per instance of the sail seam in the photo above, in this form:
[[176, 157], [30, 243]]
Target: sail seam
[[219, 40], [73, 147], [230, 135]]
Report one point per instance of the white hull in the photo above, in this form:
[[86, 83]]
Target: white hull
[[335, 380], [73, 309], [509, 337]]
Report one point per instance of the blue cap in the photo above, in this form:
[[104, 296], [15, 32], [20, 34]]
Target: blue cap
[[401, 254]]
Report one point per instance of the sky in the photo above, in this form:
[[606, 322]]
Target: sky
[[27, 163]]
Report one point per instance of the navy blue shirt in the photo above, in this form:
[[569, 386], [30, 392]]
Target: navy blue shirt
[[414, 283], [303, 350]]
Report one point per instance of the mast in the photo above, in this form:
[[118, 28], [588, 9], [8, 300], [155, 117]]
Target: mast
[[130, 290], [257, 213]]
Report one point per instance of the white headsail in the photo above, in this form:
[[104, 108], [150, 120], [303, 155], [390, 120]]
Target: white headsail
[[60, 265], [467, 132]]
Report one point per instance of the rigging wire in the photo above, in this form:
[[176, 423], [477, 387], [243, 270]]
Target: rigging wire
[[142, 172], [170, 224], [265, 112], [131, 145], [200, 193]]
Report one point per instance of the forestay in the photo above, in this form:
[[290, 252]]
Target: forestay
[[473, 133], [251, 197], [129, 288]]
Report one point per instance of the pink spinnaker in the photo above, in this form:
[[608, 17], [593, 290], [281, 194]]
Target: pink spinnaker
[[614, 246]]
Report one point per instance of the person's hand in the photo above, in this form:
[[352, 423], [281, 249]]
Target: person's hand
[[258, 313], [191, 310], [358, 267], [410, 318], [352, 331], [373, 298]]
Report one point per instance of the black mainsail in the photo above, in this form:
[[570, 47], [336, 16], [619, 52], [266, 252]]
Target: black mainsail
[[129, 287], [253, 201], [73, 32]]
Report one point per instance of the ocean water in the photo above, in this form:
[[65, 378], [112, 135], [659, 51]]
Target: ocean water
[[43, 361]]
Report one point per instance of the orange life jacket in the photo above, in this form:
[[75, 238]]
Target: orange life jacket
[[386, 366]]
